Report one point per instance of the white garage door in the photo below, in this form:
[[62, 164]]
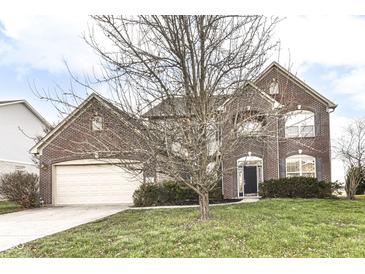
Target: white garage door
[[93, 184]]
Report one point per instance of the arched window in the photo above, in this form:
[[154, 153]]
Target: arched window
[[299, 123], [249, 127], [249, 123], [301, 165]]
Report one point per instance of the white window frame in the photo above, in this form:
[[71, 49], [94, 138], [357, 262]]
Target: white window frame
[[95, 123], [248, 161], [250, 127], [300, 158], [274, 87], [301, 124]]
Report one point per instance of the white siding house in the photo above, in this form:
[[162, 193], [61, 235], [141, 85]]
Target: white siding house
[[19, 123]]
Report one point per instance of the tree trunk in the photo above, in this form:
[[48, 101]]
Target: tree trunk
[[204, 206], [350, 195]]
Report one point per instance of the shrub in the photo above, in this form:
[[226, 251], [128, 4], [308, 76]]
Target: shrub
[[361, 188], [297, 187], [20, 187], [168, 193]]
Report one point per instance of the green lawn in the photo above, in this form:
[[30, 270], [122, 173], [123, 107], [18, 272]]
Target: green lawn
[[269, 228], [360, 197], [7, 207]]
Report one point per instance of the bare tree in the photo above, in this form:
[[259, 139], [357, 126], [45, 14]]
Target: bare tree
[[182, 81], [354, 177], [350, 148]]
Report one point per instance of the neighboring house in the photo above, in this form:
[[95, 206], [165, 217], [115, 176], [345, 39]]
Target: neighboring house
[[20, 123], [71, 172]]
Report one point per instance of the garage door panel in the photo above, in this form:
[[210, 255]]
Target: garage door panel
[[93, 184]]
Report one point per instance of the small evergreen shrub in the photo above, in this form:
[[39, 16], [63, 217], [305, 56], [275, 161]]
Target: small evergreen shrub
[[297, 187], [20, 187], [168, 193], [361, 188]]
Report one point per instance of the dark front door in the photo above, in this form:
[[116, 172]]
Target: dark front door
[[250, 174]]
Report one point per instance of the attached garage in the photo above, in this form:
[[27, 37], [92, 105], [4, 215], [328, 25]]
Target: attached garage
[[80, 183]]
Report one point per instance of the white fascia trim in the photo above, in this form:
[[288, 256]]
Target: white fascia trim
[[263, 94], [103, 161], [17, 162], [275, 103]]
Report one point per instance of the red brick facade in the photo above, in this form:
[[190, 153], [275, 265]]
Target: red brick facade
[[274, 153], [75, 139]]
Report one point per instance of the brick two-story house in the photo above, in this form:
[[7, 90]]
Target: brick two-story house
[[74, 169], [302, 145]]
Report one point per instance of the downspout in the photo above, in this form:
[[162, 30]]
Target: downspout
[[330, 110], [277, 148]]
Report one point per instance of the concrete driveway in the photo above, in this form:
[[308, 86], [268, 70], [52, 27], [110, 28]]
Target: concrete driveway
[[27, 225]]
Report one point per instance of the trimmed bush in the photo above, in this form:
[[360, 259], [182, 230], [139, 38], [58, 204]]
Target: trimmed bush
[[165, 193], [297, 187], [168, 193], [361, 188], [21, 188]]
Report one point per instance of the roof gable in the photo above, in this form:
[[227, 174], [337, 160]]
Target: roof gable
[[275, 104], [297, 81], [70, 118]]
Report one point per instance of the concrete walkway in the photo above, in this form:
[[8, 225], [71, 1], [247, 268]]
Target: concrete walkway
[[27, 225]]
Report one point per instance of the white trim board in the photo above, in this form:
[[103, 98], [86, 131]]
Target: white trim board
[[17, 162]]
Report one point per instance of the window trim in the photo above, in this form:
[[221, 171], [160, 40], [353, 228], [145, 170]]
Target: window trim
[[274, 87], [300, 125], [301, 157], [242, 129], [93, 120]]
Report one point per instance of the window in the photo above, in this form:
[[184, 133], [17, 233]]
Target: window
[[214, 137], [97, 123], [300, 165], [249, 127], [274, 87], [299, 123], [248, 122]]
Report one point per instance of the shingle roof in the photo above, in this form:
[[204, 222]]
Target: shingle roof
[[164, 108], [176, 107]]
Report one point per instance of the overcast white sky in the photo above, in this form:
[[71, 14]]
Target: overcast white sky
[[327, 52]]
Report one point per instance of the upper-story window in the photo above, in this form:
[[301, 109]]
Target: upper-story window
[[249, 123], [97, 123], [249, 127], [274, 87], [300, 165], [299, 123]]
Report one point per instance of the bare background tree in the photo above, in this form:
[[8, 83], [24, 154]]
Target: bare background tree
[[192, 68], [350, 148]]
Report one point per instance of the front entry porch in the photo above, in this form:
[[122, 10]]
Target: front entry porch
[[249, 175]]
